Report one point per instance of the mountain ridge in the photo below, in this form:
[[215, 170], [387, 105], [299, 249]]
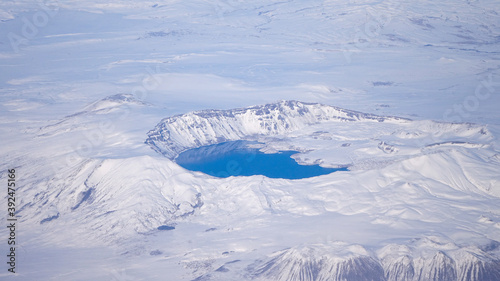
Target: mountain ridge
[[181, 132]]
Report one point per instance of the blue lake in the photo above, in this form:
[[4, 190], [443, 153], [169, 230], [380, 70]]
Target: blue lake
[[238, 158]]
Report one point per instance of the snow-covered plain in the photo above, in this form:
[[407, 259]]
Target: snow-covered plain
[[88, 89]]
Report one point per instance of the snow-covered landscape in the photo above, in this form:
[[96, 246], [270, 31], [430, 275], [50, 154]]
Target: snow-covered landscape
[[97, 100]]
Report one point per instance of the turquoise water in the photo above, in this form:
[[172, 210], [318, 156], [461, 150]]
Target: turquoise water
[[236, 158]]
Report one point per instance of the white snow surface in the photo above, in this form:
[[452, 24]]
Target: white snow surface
[[404, 93]]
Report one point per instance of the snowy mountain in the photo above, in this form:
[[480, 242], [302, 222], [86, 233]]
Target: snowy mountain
[[138, 202], [178, 133], [98, 99], [340, 261], [321, 262]]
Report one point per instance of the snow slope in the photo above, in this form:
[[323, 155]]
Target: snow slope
[[83, 82]]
